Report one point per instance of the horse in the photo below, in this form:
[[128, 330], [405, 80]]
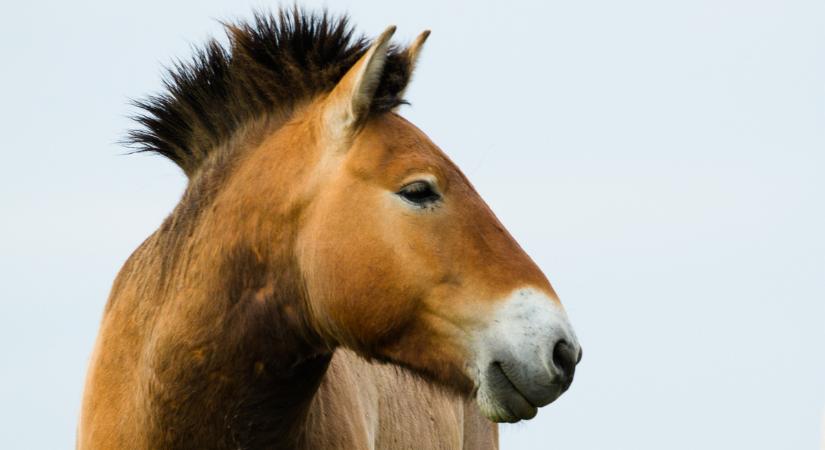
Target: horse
[[329, 279]]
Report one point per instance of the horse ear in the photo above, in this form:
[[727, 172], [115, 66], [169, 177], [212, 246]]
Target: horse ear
[[413, 52], [349, 102]]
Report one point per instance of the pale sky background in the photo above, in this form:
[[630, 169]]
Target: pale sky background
[[662, 161]]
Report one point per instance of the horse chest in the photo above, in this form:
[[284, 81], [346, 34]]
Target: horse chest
[[362, 405]]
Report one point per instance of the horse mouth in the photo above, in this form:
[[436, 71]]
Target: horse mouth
[[517, 404], [499, 398]]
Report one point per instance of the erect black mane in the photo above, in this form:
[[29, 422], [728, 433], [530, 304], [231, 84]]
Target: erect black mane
[[272, 63]]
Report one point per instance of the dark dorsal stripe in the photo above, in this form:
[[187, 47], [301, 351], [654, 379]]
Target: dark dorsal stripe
[[271, 63]]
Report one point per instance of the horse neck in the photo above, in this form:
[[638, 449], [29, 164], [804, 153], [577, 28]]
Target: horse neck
[[232, 336]]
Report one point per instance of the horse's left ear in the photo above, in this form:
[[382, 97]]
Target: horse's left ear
[[348, 105], [412, 53]]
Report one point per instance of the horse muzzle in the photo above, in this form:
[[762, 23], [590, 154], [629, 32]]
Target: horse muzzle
[[525, 358]]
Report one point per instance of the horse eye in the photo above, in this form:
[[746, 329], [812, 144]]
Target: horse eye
[[420, 193]]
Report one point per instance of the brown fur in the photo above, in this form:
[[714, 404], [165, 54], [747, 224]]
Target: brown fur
[[227, 327]]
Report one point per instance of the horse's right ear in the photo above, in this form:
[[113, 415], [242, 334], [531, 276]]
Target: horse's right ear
[[348, 105]]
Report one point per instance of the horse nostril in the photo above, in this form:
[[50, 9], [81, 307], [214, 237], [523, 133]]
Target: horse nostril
[[565, 358]]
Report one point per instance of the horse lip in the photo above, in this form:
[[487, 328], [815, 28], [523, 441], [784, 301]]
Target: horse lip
[[500, 367], [555, 389], [497, 370]]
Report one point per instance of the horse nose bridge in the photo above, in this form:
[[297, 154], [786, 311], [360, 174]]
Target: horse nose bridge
[[506, 265], [516, 273]]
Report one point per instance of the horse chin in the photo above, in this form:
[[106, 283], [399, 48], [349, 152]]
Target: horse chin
[[512, 410], [509, 407]]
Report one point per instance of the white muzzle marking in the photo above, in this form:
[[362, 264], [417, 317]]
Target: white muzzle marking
[[525, 357]]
